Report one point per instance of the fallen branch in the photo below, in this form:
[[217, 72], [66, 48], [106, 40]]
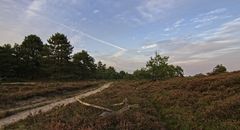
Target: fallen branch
[[95, 106], [126, 108], [122, 110], [124, 102], [109, 112]]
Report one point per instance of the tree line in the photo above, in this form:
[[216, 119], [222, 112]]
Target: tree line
[[34, 60]]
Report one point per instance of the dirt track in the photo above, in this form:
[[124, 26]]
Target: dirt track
[[23, 115]]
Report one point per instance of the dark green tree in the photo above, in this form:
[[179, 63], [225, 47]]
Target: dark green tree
[[159, 69], [141, 74], [84, 64], [46, 62], [174, 71], [20, 65], [60, 48], [111, 73], [122, 75], [219, 69], [34, 60], [60, 56], [31, 55], [178, 71], [8, 62], [101, 70]]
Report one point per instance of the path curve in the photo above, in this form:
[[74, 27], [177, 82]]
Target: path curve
[[23, 115]]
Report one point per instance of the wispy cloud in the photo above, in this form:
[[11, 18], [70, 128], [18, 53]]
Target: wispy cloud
[[96, 11], [149, 46], [213, 12], [177, 24], [187, 61], [152, 10], [216, 53], [211, 45], [208, 18], [35, 5], [127, 18], [119, 53]]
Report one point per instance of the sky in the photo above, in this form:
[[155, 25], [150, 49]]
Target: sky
[[196, 34]]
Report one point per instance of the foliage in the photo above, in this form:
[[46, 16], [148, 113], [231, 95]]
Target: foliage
[[33, 60], [157, 68], [30, 53], [141, 74], [84, 65], [219, 69], [60, 51], [8, 61]]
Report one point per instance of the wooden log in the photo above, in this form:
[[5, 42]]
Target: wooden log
[[95, 106], [124, 102]]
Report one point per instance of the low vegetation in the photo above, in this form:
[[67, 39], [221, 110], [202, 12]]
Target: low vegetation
[[209, 102], [15, 95]]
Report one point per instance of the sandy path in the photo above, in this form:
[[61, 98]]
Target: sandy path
[[23, 115]]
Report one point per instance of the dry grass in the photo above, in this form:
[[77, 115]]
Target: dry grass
[[182, 103], [76, 116], [198, 103], [15, 95]]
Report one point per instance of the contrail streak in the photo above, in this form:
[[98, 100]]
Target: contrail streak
[[81, 32], [90, 36]]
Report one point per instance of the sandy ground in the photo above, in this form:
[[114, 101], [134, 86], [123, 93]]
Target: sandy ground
[[24, 114]]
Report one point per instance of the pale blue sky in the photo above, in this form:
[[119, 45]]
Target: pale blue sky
[[196, 34]]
